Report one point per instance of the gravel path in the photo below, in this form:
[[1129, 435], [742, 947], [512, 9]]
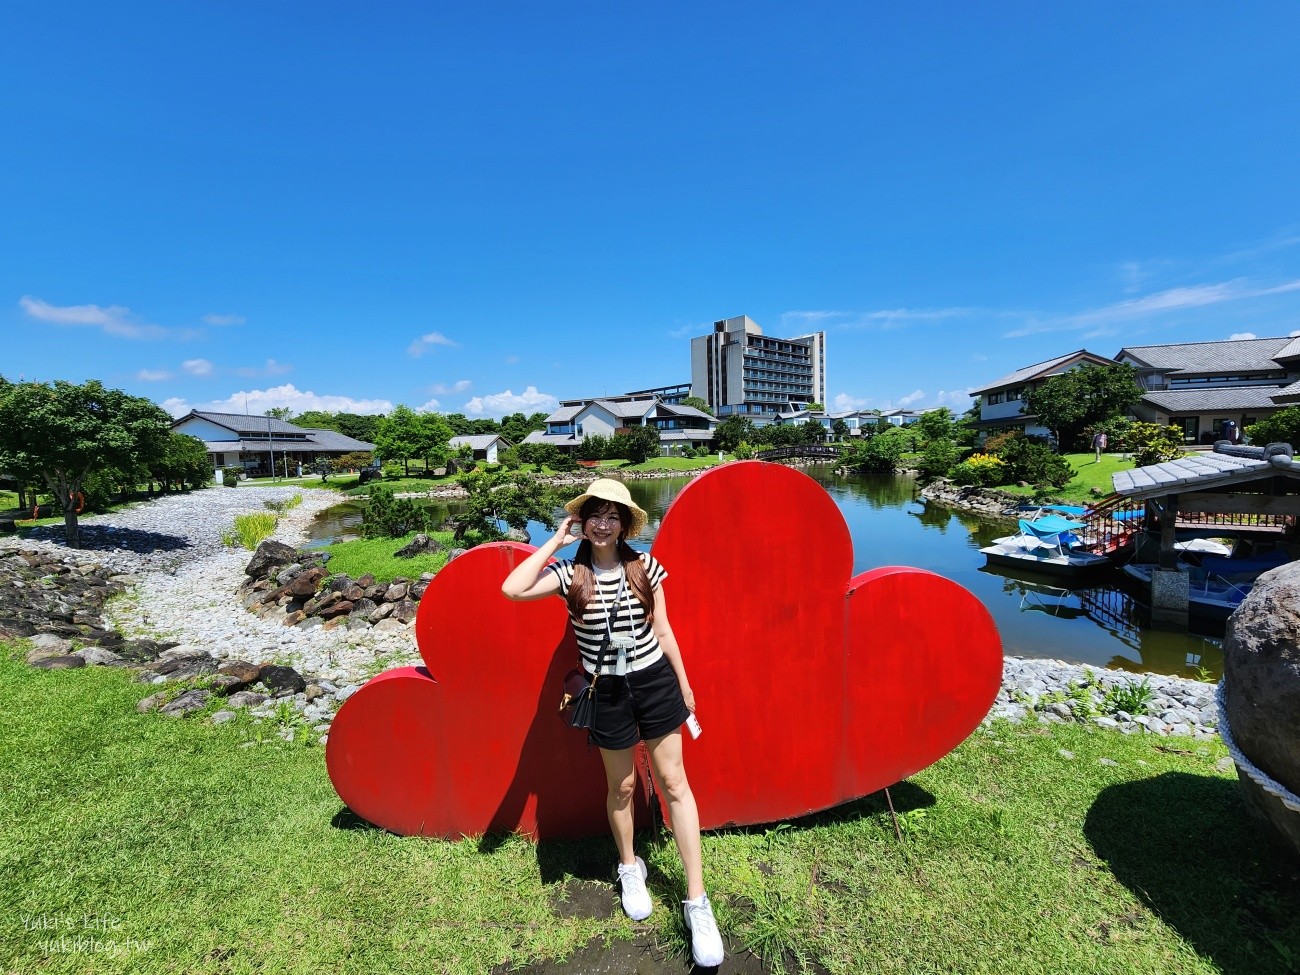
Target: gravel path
[[187, 592]]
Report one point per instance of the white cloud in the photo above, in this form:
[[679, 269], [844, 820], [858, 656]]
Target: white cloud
[[884, 318], [224, 319], [499, 404], [197, 367], [153, 375], [258, 401], [911, 398], [270, 368], [1294, 334], [1161, 302], [432, 406], [114, 320], [1242, 335], [843, 402], [442, 389], [959, 400], [425, 342]]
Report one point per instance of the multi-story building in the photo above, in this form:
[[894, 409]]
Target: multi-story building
[[737, 369]]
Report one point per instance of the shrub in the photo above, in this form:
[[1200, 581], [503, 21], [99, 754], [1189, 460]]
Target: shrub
[[744, 451], [386, 516], [593, 447], [510, 458], [1282, 427], [938, 458], [1118, 431], [981, 470], [231, 476], [997, 442], [1031, 460], [1151, 443]]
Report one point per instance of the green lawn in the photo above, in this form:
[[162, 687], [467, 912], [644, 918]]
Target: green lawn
[[375, 556], [1088, 473], [195, 854]]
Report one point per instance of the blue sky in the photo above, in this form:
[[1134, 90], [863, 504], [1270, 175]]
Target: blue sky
[[482, 208]]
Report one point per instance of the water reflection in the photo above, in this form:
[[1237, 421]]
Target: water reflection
[[1098, 624]]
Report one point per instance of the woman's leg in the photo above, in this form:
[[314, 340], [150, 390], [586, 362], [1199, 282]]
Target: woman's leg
[[666, 758], [620, 779]]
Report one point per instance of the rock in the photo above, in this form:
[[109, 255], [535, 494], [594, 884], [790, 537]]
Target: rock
[[1108, 761], [225, 684], [46, 653], [313, 691], [294, 618], [1261, 658], [245, 699], [321, 601], [270, 555], [310, 623], [340, 582], [184, 668], [363, 608], [189, 701], [97, 655], [518, 535], [382, 612], [356, 624], [48, 641], [245, 671], [421, 544], [221, 717], [67, 662], [389, 625], [1065, 753], [396, 592], [404, 611], [340, 608], [305, 584], [283, 680], [151, 702]]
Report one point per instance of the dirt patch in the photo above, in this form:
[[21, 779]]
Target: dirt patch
[[641, 956], [584, 898]]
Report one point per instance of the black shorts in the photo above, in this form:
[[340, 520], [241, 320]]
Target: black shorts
[[643, 705]]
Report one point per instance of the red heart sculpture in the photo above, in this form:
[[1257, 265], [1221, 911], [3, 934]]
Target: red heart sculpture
[[812, 688]]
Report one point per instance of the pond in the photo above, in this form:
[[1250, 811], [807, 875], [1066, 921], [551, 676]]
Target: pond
[[1100, 624]]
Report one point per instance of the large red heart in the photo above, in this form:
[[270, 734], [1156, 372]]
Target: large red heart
[[812, 688]]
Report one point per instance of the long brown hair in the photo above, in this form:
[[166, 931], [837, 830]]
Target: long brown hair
[[583, 587]]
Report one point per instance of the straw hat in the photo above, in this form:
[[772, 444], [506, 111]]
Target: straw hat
[[609, 489]]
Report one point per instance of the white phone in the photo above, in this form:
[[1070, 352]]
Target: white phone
[[693, 726]]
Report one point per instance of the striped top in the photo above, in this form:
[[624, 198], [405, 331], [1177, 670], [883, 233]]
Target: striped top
[[630, 617]]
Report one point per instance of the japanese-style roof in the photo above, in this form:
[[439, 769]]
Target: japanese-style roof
[[563, 413], [558, 439], [1287, 394], [243, 424], [688, 435], [1291, 350], [479, 441], [690, 412], [1198, 472], [1043, 369], [1207, 400], [624, 409], [1229, 355]]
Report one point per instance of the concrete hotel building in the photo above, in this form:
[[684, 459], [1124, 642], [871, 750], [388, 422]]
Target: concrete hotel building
[[738, 369]]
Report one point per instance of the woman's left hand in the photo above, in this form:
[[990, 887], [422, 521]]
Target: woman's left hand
[[688, 696]]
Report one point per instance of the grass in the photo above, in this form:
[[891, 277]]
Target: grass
[[202, 856], [1089, 473], [252, 528], [375, 556]]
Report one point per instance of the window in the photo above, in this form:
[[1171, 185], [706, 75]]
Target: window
[[993, 399]]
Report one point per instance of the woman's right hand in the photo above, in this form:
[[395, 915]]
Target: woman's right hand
[[562, 536]]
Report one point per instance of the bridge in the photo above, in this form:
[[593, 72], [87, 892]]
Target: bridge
[[816, 451]]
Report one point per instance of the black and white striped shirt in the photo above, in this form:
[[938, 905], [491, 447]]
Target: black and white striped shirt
[[628, 618]]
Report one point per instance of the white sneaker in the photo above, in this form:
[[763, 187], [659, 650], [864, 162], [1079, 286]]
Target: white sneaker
[[636, 899], [706, 943]]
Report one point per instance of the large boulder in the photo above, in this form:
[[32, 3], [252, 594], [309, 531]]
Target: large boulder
[[1261, 675], [421, 544], [270, 556]]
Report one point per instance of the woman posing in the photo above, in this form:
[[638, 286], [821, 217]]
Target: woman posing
[[616, 604]]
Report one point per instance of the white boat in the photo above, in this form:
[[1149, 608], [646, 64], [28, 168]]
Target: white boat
[[1048, 543]]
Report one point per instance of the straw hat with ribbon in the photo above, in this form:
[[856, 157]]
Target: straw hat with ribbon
[[608, 489]]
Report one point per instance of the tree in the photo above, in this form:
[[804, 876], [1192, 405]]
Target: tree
[[431, 436], [816, 407], [182, 462], [698, 403], [1282, 427], [880, 454], [1154, 443], [732, 431], [279, 413], [397, 437], [811, 432], [497, 495], [936, 424], [1067, 403], [65, 433], [515, 427], [637, 445], [840, 429]]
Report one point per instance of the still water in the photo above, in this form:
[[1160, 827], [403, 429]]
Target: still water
[[1038, 616]]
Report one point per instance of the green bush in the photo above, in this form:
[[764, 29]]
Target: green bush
[[1282, 427], [1031, 460], [386, 516], [981, 470], [1118, 431], [938, 458], [1152, 443], [881, 453], [252, 529], [230, 476], [593, 447]]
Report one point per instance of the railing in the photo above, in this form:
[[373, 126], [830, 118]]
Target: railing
[[826, 450], [1112, 522]]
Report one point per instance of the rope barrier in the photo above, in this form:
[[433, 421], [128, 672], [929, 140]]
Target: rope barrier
[[1260, 778]]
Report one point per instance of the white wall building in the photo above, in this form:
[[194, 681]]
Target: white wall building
[[737, 369]]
